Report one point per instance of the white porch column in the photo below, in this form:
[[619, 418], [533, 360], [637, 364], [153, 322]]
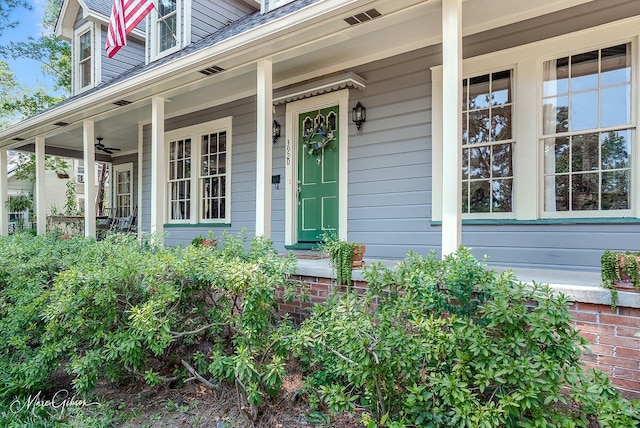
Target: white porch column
[[139, 175], [89, 159], [158, 185], [4, 194], [264, 149], [40, 188], [451, 124]]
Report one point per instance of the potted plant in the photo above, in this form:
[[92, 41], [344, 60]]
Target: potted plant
[[200, 241], [342, 255], [19, 204], [619, 270]]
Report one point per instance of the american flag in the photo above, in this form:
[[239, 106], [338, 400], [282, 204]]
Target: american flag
[[125, 15]]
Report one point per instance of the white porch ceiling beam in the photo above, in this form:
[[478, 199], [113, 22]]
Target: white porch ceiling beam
[[264, 148], [451, 124], [40, 188], [158, 185], [89, 161], [4, 193]]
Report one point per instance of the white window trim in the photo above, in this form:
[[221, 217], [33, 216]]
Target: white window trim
[[183, 29], [194, 133], [527, 63], [274, 4], [95, 55]]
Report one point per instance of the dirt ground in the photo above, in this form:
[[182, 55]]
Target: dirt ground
[[194, 405]]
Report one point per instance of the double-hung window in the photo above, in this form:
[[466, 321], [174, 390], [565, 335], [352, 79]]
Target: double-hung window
[[84, 58], [167, 27], [487, 143], [587, 131], [569, 104], [199, 165]]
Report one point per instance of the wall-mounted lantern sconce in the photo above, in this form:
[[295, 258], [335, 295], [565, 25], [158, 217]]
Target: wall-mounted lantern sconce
[[275, 181], [359, 115], [275, 132]]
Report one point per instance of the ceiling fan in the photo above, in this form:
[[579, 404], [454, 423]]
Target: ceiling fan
[[100, 146]]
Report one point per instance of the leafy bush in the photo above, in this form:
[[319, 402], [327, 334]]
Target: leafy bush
[[118, 309], [28, 267], [449, 343]]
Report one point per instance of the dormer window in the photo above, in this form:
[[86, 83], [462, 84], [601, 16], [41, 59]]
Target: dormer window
[[167, 27], [84, 58]]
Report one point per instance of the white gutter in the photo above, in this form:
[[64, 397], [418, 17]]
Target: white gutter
[[216, 53]]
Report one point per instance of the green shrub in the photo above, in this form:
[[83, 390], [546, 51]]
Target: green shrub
[[449, 343], [117, 309]]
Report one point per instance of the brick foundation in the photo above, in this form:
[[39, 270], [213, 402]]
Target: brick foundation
[[614, 336]]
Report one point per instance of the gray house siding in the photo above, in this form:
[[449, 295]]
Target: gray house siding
[[390, 169], [209, 16], [128, 56], [558, 246], [243, 169], [389, 203], [539, 244]]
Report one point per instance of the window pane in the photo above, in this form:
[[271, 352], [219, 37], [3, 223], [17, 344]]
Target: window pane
[[615, 106], [85, 45], [85, 70], [480, 196], [502, 195], [465, 196], [465, 164], [616, 65], [166, 7], [558, 200], [584, 71], [555, 115], [479, 127], [465, 129], [479, 94], [166, 30], [480, 162], [556, 77], [584, 152], [501, 123], [502, 161], [501, 88], [556, 155], [584, 189], [222, 142], [584, 111], [616, 149], [465, 90], [615, 190]]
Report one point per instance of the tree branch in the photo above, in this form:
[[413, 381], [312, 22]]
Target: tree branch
[[197, 376], [177, 335]]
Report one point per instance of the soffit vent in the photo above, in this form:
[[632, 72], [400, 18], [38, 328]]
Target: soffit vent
[[61, 123], [122, 103], [210, 71], [18, 139], [363, 17]]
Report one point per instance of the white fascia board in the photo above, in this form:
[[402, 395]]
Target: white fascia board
[[187, 63]]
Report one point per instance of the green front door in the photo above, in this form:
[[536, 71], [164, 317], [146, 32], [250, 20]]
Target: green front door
[[318, 171]]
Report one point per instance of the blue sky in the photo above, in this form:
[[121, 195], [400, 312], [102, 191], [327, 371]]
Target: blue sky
[[26, 71]]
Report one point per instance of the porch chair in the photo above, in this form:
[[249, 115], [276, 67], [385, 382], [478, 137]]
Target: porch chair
[[125, 224]]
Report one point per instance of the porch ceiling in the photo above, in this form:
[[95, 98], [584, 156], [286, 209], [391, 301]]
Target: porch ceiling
[[314, 47]]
